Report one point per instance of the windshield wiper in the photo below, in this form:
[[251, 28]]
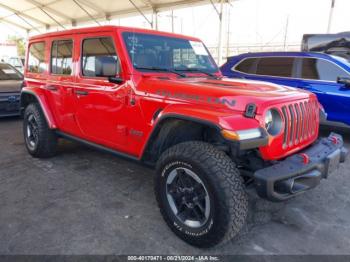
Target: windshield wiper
[[197, 70], [161, 69]]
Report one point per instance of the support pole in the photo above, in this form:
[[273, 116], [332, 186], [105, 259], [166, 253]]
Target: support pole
[[220, 32], [330, 17], [228, 37], [172, 21], [286, 34], [182, 23], [155, 20]]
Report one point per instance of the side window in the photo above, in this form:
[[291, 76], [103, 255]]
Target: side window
[[275, 66], [61, 57], [36, 58], [320, 69], [247, 66], [99, 58]]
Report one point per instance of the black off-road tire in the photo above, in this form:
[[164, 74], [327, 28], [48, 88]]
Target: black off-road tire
[[46, 144], [228, 199]]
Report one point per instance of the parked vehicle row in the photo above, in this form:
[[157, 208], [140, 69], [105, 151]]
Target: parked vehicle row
[[160, 99]]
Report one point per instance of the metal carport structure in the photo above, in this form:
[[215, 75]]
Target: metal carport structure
[[38, 16], [45, 14]]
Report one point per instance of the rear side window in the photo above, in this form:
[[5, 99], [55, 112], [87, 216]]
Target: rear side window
[[320, 69], [61, 57], [247, 66], [36, 58], [275, 66], [99, 57]]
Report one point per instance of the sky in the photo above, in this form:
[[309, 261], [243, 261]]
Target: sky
[[263, 21], [246, 22]]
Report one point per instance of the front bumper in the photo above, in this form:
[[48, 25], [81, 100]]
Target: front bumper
[[301, 172]]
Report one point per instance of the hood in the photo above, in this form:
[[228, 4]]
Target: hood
[[10, 86], [233, 94]]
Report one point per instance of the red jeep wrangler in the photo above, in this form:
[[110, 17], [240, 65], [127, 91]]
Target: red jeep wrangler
[[159, 98]]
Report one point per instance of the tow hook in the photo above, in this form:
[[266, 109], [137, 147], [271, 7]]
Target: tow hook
[[305, 158], [334, 140]]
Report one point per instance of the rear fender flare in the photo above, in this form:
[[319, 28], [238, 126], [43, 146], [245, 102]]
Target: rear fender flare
[[41, 100]]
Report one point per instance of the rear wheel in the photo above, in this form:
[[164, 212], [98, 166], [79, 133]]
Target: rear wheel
[[40, 140], [200, 194]]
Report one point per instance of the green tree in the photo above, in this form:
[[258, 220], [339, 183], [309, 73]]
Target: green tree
[[20, 43]]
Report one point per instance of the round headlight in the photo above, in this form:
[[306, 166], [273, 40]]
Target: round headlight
[[273, 122]]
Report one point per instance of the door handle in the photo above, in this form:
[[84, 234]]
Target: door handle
[[51, 88], [81, 93]]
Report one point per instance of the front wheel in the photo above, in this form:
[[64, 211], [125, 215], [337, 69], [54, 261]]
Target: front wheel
[[200, 194]]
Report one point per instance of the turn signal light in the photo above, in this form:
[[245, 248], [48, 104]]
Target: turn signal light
[[230, 135], [241, 134]]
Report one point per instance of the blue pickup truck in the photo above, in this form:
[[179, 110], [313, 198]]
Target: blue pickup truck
[[327, 76]]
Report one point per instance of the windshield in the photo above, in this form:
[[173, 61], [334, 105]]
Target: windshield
[[148, 51], [7, 72]]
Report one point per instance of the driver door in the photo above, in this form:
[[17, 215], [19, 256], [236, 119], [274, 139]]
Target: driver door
[[100, 103]]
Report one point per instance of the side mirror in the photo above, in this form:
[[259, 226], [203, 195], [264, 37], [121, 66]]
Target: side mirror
[[344, 80], [115, 80]]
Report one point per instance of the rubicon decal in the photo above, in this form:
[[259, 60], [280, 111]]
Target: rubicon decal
[[191, 97]]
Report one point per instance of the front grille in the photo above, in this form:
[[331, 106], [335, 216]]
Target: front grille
[[301, 121]]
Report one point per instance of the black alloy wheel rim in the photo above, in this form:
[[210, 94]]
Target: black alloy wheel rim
[[32, 131], [188, 197]]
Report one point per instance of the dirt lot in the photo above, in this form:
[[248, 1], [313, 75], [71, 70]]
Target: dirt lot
[[87, 202]]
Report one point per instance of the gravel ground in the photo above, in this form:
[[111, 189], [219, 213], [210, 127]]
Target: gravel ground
[[86, 202]]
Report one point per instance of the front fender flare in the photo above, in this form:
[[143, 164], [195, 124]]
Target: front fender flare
[[221, 119], [218, 120]]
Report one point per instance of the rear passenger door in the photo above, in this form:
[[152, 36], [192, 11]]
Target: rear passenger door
[[60, 84], [278, 70]]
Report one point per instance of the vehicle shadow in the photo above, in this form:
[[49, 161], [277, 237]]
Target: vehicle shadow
[[10, 119]]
